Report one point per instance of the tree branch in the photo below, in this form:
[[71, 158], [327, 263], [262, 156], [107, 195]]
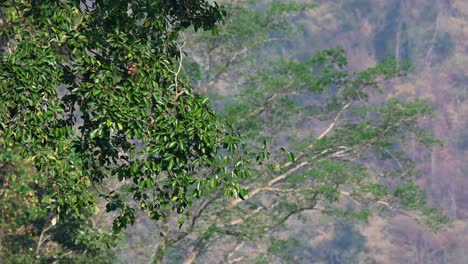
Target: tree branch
[[176, 73], [43, 238], [226, 65], [237, 247], [333, 123]]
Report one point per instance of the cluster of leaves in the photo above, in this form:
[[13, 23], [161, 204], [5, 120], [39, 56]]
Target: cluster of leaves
[[92, 92], [115, 69], [31, 231]]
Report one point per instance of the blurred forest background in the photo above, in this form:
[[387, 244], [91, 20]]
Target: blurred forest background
[[433, 35]]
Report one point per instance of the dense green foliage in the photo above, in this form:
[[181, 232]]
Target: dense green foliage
[[93, 93], [137, 121]]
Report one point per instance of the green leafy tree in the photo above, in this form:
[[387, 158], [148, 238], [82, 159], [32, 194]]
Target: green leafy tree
[[90, 92]]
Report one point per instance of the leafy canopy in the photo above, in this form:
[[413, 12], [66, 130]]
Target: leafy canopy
[[89, 93]]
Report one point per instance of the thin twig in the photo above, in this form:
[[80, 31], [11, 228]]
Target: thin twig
[[43, 238], [236, 248], [181, 57], [333, 123]]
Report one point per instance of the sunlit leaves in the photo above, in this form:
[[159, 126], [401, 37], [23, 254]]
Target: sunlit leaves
[[102, 85]]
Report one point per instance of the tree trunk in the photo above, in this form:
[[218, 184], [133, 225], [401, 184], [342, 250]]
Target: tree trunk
[[398, 37], [453, 199]]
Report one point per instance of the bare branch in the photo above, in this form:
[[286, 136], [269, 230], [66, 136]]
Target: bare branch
[[229, 258], [241, 220], [261, 109], [377, 202], [191, 257], [227, 64], [271, 189], [434, 37], [176, 73], [322, 135], [269, 184], [202, 209], [43, 237], [330, 127]]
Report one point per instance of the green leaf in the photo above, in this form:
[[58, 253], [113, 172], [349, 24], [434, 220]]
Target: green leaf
[[243, 193], [291, 157]]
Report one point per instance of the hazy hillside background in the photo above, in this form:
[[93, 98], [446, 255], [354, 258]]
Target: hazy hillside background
[[433, 34]]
